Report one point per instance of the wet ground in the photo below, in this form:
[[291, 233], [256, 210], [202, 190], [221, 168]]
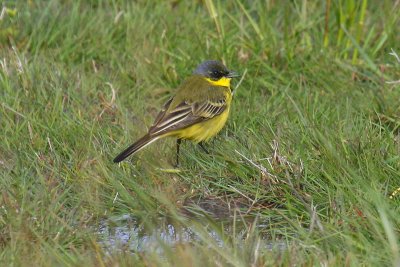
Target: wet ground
[[125, 233]]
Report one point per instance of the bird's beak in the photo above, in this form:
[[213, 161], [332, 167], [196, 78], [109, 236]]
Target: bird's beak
[[232, 74]]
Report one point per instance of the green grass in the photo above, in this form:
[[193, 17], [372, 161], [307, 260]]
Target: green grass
[[311, 151]]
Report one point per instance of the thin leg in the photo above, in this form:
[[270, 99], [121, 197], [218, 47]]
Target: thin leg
[[201, 144], [178, 143]]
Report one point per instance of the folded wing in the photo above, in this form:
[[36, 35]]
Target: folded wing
[[186, 114]]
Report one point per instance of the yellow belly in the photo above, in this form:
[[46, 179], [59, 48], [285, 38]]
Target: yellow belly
[[204, 130]]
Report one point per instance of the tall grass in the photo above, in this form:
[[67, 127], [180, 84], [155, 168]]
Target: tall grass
[[303, 174]]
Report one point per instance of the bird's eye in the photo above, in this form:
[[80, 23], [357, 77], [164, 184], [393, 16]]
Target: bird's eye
[[215, 74]]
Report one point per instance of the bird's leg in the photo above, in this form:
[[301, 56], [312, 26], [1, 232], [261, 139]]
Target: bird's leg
[[178, 143], [201, 144]]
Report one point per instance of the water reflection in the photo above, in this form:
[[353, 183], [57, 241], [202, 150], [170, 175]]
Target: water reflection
[[127, 234]]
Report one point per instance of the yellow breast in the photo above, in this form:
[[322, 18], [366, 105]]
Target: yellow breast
[[205, 130]]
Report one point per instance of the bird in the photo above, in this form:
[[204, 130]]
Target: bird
[[197, 112]]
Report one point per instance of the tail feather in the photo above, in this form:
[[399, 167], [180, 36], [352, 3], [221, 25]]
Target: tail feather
[[138, 145]]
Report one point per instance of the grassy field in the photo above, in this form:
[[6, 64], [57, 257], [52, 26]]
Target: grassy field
[[304, 173]]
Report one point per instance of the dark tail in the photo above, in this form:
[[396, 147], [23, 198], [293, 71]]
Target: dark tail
[[139, 144]]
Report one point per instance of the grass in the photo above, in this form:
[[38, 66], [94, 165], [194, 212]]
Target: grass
[[309, 158]]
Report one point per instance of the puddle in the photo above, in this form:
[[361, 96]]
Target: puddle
[[125, 233]]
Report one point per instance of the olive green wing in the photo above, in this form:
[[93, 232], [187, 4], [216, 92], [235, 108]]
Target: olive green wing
[[188, 113], [162, 112]]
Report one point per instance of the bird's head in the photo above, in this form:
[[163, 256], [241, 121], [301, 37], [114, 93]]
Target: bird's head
[[214, 70]]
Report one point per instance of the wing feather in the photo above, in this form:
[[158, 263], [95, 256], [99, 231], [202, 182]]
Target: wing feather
[[162, 111], [186, 114], [195, 106]]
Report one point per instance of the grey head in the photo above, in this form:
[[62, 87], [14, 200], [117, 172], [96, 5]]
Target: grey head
[[214, 70]]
